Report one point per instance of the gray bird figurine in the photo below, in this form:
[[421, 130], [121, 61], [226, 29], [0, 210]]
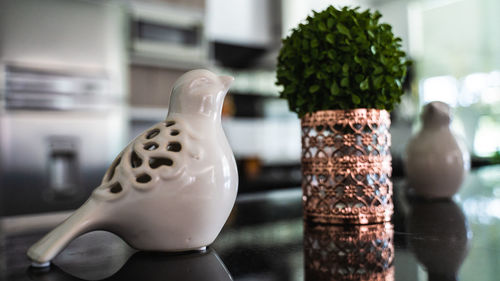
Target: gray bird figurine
[[172, 188]]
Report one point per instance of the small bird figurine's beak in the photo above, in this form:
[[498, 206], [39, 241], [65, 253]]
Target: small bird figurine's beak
[[226, 80]]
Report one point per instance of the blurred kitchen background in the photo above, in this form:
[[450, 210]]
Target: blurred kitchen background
[[80, 79]]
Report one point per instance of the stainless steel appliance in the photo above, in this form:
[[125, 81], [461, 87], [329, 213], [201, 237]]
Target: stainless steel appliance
[[42, 88], [167, 35], [62, 95]]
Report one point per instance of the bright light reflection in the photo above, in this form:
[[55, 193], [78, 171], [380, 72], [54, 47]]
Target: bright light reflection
[[440, 88], [491, 95], [478, 96], [487, 139], [473, 85], [484, 209], [494, 78]]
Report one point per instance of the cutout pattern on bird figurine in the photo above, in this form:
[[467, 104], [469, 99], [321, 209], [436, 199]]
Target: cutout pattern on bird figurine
[[172, 188]]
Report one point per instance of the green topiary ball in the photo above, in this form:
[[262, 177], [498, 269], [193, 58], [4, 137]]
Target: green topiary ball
[[341, 59]]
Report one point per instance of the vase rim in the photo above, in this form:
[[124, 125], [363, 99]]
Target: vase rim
[[349, 110], [355, 111]]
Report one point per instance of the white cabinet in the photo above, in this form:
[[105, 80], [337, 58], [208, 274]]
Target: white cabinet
[[240, 22]]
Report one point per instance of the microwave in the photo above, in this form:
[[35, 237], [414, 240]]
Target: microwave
[[167, 35]]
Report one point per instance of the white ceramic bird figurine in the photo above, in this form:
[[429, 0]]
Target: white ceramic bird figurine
[[436, 162], [172, 188]]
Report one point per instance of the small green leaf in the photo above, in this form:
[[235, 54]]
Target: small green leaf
[[382, 98], [383, 60], [345, 68], [314, 53], [344, 82], [330, 22], [336, 67], [305, 45], [301, 101], [356, 100], [333, 12], [354, 20], [364, 85], [334, 89], [399, 83], [308, 72], [329, 38], [343, 105], [313, 89], [331, 54], [314, 43], [322, 26], [373, 50], [377, 82], [342, 29]]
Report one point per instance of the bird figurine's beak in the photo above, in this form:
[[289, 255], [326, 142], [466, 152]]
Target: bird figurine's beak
[[226, 80]]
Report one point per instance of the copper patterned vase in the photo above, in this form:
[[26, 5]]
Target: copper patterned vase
[[346, 166], [349, 252]]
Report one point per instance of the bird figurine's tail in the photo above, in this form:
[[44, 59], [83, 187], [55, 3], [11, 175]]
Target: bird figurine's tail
[[83, 220]]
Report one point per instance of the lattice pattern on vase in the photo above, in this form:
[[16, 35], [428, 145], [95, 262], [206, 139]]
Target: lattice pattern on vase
[[349, 252], [346, 166]]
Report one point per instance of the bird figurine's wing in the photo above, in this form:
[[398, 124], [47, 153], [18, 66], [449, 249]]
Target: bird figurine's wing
[[161, 153]]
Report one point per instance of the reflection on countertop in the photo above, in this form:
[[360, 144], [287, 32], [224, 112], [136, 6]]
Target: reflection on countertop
[[349, 252], [127, 265], [441, 226], [265, 238]]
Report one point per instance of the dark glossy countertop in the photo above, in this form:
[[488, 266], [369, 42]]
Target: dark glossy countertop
[[266, 239]]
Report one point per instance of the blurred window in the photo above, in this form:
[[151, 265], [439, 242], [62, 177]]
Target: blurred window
[[455, 44]]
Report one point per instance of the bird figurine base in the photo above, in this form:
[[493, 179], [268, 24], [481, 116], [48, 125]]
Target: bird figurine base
[[40, 265], [172, 188]]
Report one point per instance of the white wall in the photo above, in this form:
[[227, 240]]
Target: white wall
[[295, 11], [395, 13], [246, 22]]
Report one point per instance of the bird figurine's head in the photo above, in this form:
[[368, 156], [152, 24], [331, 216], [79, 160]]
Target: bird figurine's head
[[199, 92], [436, 114]]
